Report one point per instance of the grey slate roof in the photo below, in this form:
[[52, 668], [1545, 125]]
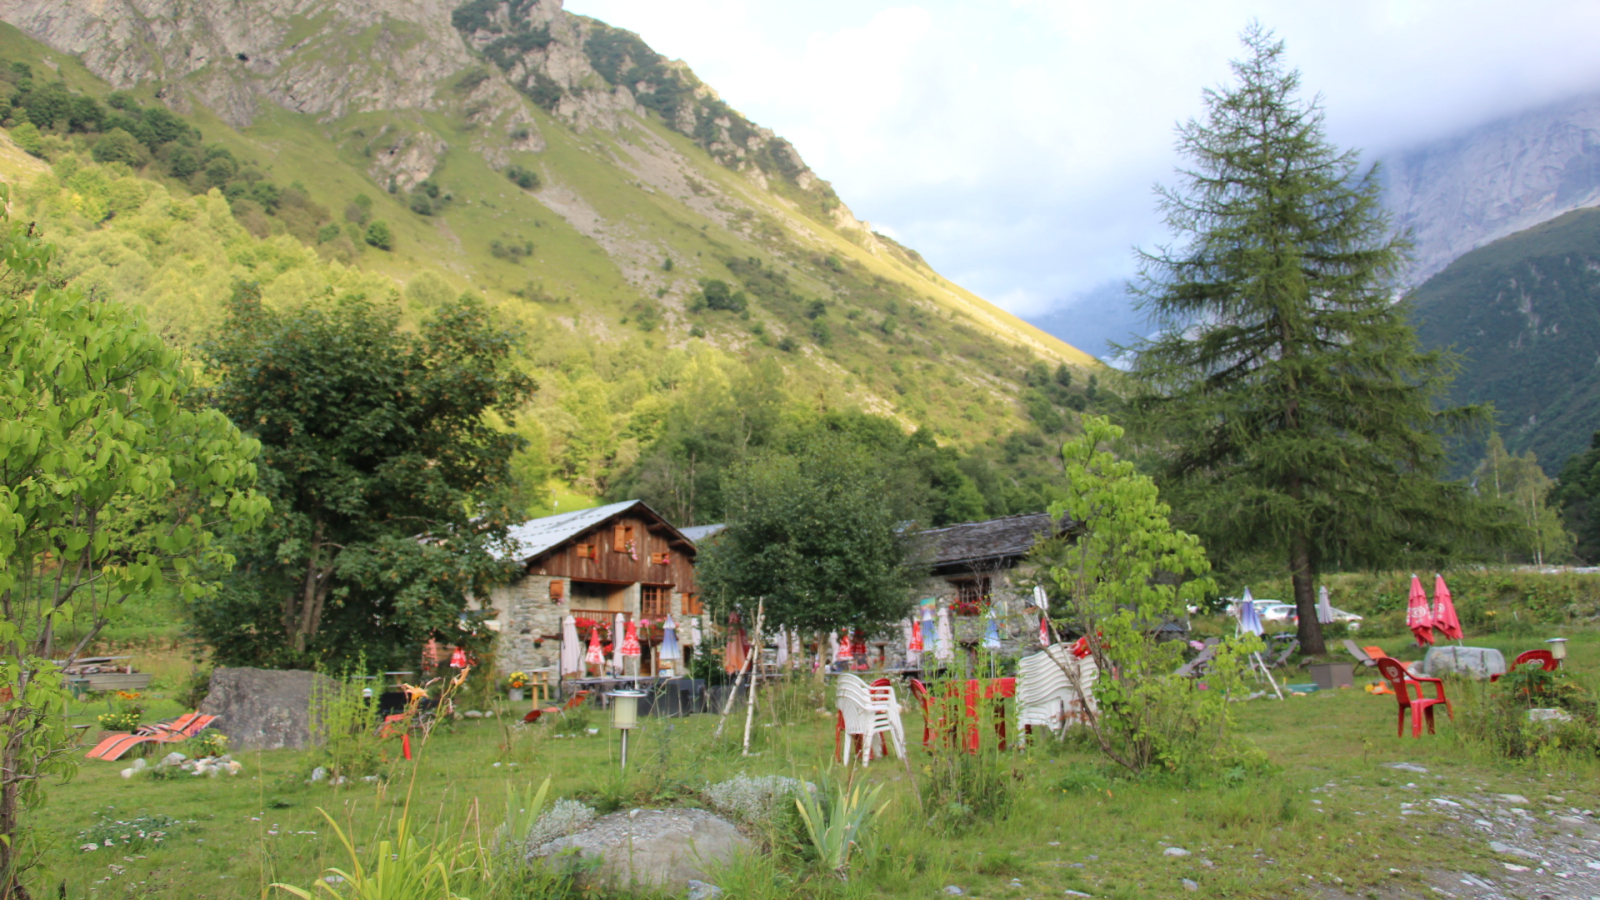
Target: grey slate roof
[[1008, 537], [538, 536], [698, 533]]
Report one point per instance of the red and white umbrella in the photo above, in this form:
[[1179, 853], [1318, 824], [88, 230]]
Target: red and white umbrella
[[595, 656], [846, 649], [630, 642], [1444, 610], [458, 659], [1419, 618]]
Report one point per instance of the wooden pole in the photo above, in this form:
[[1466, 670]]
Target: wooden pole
[[750, 692], [727, 707]]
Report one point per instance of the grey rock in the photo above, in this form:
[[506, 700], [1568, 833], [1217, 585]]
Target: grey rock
[[953, 891], [1469, 662], [699, 890], [1407, 767], [263, 709], [1071, 893], [1174, 851], [1549, 715], [1190, 885], [319, 774], [1510, 850], [139, 765], [1511, 798], [663, 847], [172, 759]]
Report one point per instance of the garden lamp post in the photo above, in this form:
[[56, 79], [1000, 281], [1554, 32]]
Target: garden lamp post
[[625, 716], [1558, 648]]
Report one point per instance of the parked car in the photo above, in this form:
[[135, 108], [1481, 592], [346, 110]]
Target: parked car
[[1274, 611]]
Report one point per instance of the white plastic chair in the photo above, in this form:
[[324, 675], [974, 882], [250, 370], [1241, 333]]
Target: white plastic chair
[[1048, 695], [869, 712]]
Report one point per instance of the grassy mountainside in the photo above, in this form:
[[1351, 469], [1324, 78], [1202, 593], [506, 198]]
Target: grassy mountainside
[[1524, 312], [599, 196]]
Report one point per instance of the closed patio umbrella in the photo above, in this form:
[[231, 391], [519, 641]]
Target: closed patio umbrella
[[1324, 608], [1042, 600], [735, 653], [944, 646], [669, 641], [913, 636], [594, 657], [1249, 619], [846, 647], [571, 652], [1419, 618], [695, 639], [616, 644], [1444, 610], [991, 631]]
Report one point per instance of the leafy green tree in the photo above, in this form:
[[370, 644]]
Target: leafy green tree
[[1519, 486], [378, 235], [1578, 495], [819, 534], [391, 488], [113, 483], [1123, 571], [118, 146], [1297, 411]]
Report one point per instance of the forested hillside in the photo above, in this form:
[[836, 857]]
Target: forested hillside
[[1524, 314], [683, 284]]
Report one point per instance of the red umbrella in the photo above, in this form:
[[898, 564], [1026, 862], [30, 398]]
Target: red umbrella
[[595, 656], [916, 636], [458, 659], [1419, 618], [844, 647], [630, 640], [1444, 610]]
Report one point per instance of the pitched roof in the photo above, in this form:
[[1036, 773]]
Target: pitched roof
[[994, 539], [536, 537], [698, 533]]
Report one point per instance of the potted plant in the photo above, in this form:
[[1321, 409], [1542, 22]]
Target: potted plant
[[516, 681]]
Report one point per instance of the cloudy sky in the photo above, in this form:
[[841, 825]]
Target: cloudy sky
[[1014, 143]]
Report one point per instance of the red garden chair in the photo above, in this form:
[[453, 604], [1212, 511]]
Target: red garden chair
[[1420, 706], [1543, 657]]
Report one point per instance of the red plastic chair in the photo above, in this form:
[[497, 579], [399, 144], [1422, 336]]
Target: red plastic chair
[[920, 691], [1543, 657], [1421, 706]]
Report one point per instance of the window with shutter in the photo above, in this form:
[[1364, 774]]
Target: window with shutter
[[660, 559], [558, 590], [619, 539], [586, 551], [691, 604]]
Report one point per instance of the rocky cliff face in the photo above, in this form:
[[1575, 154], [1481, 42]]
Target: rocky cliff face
[[1471, 189], [331, 58]]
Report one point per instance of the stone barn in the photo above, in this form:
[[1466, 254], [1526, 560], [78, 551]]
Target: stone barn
[[594, 563]]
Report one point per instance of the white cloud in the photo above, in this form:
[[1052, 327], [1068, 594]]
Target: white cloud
[[1015, 145]]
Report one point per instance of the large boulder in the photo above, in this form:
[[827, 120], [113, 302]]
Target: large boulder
[[1470, 662], [263, 709], [659, 847]]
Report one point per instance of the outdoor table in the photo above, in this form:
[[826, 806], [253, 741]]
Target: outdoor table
[[398, 677]]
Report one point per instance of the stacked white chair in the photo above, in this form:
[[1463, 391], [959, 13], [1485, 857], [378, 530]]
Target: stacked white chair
[[1054, 688], [868, 712]]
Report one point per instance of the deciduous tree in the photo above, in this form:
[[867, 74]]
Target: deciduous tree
[[114, 482], [391, 489]]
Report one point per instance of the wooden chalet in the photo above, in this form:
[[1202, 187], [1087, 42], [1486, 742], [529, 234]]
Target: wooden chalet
[[593, 564]]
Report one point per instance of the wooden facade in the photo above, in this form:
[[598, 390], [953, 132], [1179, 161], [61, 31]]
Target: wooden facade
[[628, 550]]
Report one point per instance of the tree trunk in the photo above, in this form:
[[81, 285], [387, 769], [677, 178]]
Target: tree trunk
[[11, 887], [1305, 599]]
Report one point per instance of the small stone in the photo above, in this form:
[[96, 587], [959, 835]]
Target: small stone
[[129, 772], [1207, 863], [333, 879], [1174, 851], [1511, 798], [1407, 767], [319, 774], [1593, 864], [1443, 802], [1513, 867], [473, 714], [88, 847], [1071, 893], [1190, 885], [953, 891], [700, 890], [172, 759]]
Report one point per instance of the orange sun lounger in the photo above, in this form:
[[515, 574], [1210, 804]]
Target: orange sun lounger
[[180, 729]]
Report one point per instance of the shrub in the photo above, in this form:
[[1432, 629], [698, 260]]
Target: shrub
[[527, 179], [719, 296], [28, 138], [788, 345], [119, 146], [564, 817], [378, 235], [753, 801]]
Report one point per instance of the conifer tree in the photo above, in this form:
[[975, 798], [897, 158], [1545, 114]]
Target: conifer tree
[[1295, 413]]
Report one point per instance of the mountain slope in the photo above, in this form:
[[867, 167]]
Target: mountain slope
[[1524, 312], [1471, 188], [596, 193]]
